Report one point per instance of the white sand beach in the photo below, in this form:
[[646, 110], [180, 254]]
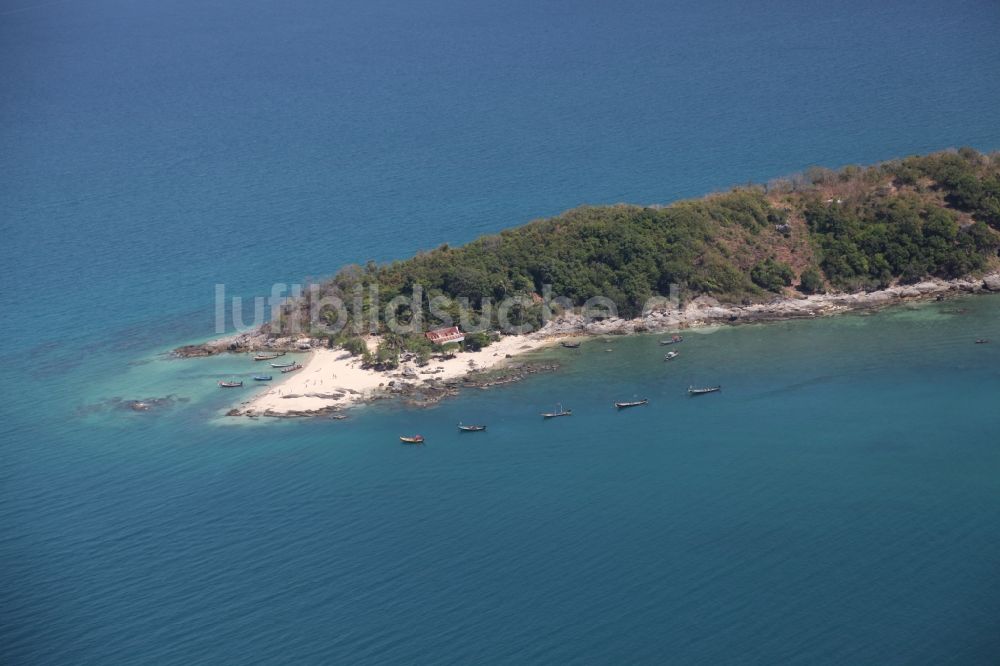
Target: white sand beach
[[332, 378]]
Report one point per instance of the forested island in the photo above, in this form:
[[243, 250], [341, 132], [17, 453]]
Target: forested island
[[848, 230], [857, 229], [818, 243]]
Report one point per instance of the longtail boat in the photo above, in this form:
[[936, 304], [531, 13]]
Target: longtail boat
[[633, 403], [262, 378], [673, 340], [702, 391], [416, 439], [268, 356], [471, 428], [291, 368], [570, 345], [559, 412], [283, 365], [230, 384]]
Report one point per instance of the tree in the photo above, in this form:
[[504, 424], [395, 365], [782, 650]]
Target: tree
[[449, 348], [423, 357], [367, 358], [811, 281], [476, 341], [772, 275], [356, 346], [387, 356]]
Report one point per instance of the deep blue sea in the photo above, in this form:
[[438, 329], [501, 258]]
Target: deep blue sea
[[837, 503]]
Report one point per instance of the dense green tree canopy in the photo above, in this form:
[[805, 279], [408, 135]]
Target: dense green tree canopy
[[858, 228]]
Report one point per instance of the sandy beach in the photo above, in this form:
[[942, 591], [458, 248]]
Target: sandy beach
[[332, 379]]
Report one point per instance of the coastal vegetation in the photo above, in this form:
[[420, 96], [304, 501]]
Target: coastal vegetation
[[847, 230]]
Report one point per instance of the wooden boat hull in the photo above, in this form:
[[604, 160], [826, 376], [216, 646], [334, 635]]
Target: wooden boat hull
[[626, 405], [472, 428], [560, 412], [230, 384], [412, 440], [704, 391]]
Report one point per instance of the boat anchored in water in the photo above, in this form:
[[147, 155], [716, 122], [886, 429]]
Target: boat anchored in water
[[570, 345], [674, 339], [291, 368], [671, 355], [559, 412], [283, 365], [702, 391], [471, 428], [232, 383], [632, 403], [415, 439], [262, 378], [267, 356]]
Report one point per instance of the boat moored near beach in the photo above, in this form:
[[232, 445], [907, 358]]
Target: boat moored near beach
[[471, 428], [559, 412], [702, 391], [262, 378], [232, 383], [570, 345], [283, 365], [291, 368], [632, 403], [267, 356]]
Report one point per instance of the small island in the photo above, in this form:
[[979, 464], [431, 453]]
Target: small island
[[818, 243]]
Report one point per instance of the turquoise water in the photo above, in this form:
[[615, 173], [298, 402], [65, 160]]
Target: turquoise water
[[836, 503]]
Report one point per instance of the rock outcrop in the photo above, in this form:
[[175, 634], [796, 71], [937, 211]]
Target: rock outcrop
[[706, 310], [257, 341]]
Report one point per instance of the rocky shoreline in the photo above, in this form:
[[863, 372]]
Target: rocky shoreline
[[701, 311], [707, 311], [242, 343]]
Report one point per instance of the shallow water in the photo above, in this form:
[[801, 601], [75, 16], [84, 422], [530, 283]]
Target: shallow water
[[843, 484]]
